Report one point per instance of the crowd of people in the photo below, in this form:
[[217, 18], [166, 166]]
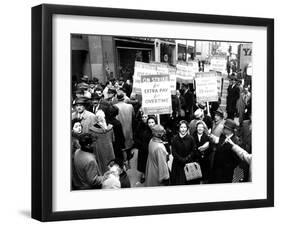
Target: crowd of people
[[108, 122]]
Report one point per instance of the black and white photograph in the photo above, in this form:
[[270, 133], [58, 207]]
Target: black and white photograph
[[138, 112], [149, 112]]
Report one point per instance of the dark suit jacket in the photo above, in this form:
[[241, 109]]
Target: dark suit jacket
[[225, 161], [188, 101], [233, 94], [246, 136]]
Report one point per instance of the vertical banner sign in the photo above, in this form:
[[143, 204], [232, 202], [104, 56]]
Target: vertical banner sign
[[206, 86], [141, 69], [218, 64], [156, 94], [245, 56], [219, 80]]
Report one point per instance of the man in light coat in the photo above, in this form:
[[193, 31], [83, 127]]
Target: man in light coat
[[125, 116]]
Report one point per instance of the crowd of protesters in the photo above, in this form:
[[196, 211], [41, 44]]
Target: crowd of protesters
[[108, 123]]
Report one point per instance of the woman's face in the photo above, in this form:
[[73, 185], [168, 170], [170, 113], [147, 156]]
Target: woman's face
[[217, 118], [200, 129], [183, 128], [77, 127], [151, 122], [144, 118]]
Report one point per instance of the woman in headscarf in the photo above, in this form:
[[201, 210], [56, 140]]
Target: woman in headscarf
[[157, 171], [104, 143], [183, 151]]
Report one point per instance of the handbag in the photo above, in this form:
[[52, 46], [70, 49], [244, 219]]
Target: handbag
[[192, 171]]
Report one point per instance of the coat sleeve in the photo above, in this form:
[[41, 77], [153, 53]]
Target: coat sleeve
[[242, 154], [163, 171], [121, 138], [195, 154], [92, 174]]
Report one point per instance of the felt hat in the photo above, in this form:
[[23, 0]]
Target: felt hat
[[111, 91], [230, 124], [81, 100], [219, 112], [120, 96]]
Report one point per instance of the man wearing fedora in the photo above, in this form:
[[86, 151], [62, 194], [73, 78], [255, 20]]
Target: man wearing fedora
[[233, 94], [218, 124], [87, 118], [225, 160], [217, 130]]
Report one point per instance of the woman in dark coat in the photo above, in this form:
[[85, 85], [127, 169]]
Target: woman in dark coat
[[183, 151], [104, 143], [119, 139], [202, 143], [143, 136], [75, 145]]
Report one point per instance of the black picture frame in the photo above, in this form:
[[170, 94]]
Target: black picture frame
[[42, 111]]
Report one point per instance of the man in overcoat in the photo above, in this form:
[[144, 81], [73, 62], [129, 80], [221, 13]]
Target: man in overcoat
[[225, 161], [233, 94], [87, 118]]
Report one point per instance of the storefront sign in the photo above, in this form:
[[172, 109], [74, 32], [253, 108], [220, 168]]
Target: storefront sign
[[206, 86], [156, 94]]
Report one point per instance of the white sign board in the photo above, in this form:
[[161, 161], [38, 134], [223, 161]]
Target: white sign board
[[185, 72], [206, 86], [141, 69], [156, 94], [218, 64]]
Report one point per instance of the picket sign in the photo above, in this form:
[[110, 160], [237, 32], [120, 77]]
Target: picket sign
[[218, 64], [142, 69], [156, 94], [206, 86]]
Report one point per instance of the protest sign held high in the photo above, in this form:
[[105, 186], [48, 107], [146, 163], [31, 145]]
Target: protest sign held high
[[142, 69], [156, 94], [185, 72], [218, 64], [206, 86]]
